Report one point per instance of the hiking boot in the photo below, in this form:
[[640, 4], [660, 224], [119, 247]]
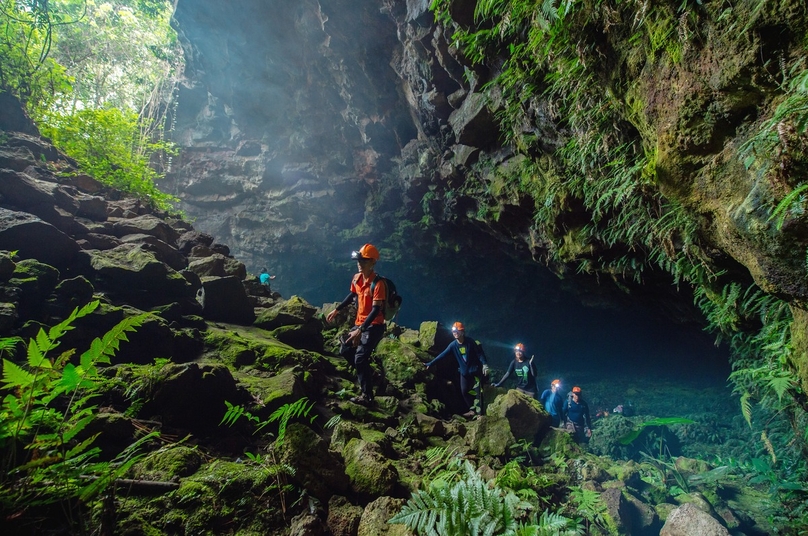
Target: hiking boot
[[469, 414], [361, 399]]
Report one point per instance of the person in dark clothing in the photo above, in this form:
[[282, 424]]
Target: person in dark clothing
[[368, 328], [524, 371], [553, 402], [471, 362], [576, 416]]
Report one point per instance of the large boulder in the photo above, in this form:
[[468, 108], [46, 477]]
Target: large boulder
[[434, 337], [294, 311], [217, 265], [525, 415], [162, 251], [133, 272], [688, 520], [317, 470], [403, 364], [374, 521], [343, 517], [490, 436], [371, 473], [33, 238], [225, 300], [191, 396], [145, 224]]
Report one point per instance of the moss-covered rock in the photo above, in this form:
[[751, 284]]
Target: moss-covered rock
[[168, 464], [307, 336], [318, 471], [371, 474], [524, 414], [434, 337], [242, 346], [273, 391], [374, 521], [291, 312], [403, 364], [490, 436], [343, 517]]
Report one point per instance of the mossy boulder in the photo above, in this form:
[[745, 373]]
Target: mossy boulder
[[306, 336], [374, 521], [291, 312], [35, 281], [343, 517], [130, 269], [192, 396], [242, 346], [410, 336], [434, 337], [168, 464], [317, 470], [7, 266], [490, 436], [560, 443], [343, 433], [371, 474], [525, 415], [273, 391], [403, 364]]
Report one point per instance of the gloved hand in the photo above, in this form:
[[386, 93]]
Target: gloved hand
[[495, 384], [485, 370]]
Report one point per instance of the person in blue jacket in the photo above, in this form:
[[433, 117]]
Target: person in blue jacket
[[576, 416], [553, 402], [471, 362]]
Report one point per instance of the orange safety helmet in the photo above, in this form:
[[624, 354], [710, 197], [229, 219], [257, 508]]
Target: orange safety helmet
[[368, 251], [576, 389], [458, 326], [519, 347], [558, 382]]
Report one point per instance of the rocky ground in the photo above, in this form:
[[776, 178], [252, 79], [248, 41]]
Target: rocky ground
[[296, 456]]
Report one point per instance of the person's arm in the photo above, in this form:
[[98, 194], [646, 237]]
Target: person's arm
[[347, 301], [374, 312], [441, 355], [506, 376]]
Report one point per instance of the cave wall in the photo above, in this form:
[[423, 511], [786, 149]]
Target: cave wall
[[308, 127]]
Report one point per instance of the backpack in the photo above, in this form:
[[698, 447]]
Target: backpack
[[394, 299]]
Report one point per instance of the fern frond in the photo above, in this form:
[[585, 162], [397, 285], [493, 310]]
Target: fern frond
[[746, 407]]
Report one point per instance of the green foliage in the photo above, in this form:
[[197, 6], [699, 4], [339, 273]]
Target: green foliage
[[300, 408], [468, 507], [108, 145], [98, 78], [46, 410], [631, 437], [26, 38], [589, 506]]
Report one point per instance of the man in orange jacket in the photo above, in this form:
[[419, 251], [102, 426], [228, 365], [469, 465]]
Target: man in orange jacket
[[368, 328]]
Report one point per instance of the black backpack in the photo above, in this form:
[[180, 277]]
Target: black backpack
[[394, 299]]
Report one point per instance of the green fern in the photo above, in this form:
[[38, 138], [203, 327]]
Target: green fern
[[469, 507], [746, 408], [59, 451]]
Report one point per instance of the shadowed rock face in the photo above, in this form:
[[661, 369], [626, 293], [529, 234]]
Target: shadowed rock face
[[292, 114]]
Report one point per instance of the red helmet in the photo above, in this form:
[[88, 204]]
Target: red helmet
[[576, 390], [368, 251], [458, 326], [519, 347]]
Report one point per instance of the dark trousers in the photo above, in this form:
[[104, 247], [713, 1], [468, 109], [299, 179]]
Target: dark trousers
[[467, 383], [361, 359]]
